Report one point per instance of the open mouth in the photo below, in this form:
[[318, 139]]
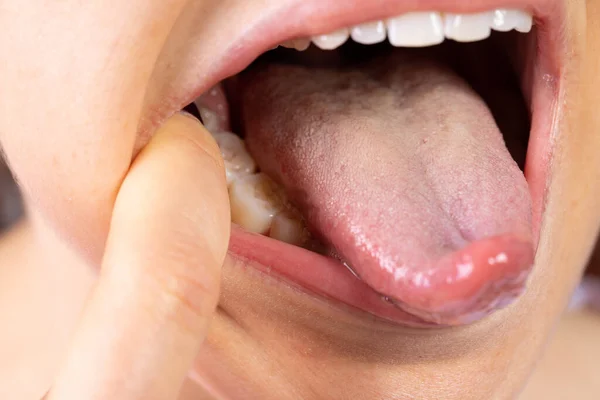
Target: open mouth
[[397, 165]]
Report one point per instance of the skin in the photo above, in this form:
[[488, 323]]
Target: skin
[[71, 157], [571, 356], [154, 296]]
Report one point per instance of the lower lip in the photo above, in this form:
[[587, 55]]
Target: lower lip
[[315, 273]]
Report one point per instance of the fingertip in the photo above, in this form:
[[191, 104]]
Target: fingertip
[[191, 128]]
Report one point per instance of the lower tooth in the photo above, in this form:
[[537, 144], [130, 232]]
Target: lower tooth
[[257, 204], [255, 200], [238, 162], [288, 227], [213, 108], [210, 119]]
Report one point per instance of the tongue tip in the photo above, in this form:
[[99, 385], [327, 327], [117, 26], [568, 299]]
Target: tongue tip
[[467, 285]]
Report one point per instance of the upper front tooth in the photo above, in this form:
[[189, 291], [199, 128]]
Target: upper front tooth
[[467, 27], [369, 33], [332, 40], [416, 29]]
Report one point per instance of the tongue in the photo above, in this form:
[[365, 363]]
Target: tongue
[[399, 166]]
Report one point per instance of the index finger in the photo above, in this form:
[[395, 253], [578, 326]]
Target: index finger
[[160, 275]]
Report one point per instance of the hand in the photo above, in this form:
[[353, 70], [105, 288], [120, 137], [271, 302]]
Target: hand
[[160, 276]]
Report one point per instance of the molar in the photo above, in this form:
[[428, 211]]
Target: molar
[[210, 119], [238, 162], [288, 227], [254, 202]]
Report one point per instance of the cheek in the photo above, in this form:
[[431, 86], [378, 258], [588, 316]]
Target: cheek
[[71, 154], [70, 188]]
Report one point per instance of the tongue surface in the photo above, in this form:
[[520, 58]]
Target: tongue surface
[[399, 166]]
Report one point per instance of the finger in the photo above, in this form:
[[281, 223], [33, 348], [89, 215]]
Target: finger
[[160, 276]]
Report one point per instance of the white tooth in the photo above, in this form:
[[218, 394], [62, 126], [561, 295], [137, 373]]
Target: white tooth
[[210, 119], [238, 162], [416, 29], [468, 27], [298, 44], [369, 33], [503, 20], [288, 227], [506, 20], [302, 44], [524, 21], [331, 40], [254, 201]]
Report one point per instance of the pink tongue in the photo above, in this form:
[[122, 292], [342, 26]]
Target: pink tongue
[[403, 171]]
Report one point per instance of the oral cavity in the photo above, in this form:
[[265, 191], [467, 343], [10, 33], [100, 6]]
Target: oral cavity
[[393, 162], [419, 29]]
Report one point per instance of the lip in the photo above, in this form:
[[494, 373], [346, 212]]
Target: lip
[[316, 273], [327, 277]]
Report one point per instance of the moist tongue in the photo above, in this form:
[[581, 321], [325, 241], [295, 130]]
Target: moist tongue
[[399, 166]]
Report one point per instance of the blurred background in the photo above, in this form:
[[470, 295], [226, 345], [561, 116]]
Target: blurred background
[[10, 202]]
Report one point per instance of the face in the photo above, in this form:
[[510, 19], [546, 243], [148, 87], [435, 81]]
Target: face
[[439, 201]]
